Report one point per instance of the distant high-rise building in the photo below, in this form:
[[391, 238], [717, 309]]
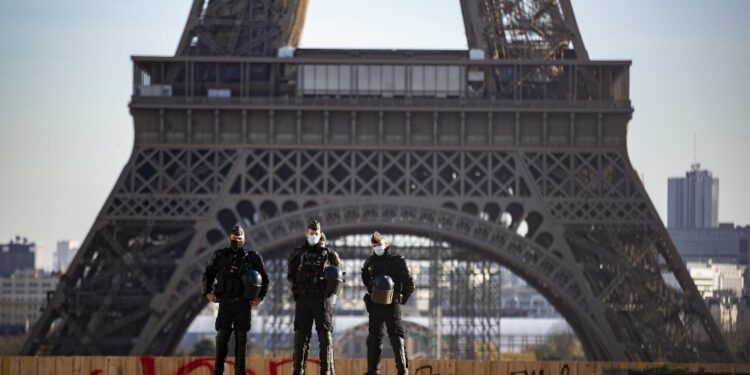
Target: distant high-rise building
[[693, 225], [15, 255], [22, 296], [693, 200], [65, 252], [43, 258]]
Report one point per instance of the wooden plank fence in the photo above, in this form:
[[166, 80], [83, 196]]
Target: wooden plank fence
[[149, 365]]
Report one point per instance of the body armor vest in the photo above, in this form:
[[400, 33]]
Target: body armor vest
[[310, 271], [230, 281]]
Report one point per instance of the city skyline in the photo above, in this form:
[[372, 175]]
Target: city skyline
[[66, 131]]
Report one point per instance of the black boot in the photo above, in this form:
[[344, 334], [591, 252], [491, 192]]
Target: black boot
[[374, 351], [240, 348], [301, 347], [222, 343], [326, 353], [399, 353]]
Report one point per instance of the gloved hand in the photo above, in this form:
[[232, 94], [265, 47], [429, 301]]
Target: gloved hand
[[397, 297], [367, 301]]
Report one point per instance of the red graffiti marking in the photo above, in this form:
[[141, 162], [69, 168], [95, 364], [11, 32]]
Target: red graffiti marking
[[148, 366], [196, 364], [273, 366]]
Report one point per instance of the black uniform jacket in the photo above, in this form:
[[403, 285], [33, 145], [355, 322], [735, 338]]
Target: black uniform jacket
[[227, 283], [295, 257], [393, 265]]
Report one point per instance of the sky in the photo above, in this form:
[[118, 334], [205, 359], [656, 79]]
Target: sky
[[65, 130]]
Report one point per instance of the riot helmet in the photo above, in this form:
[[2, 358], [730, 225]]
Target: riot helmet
[[334, 279], [253, 282], [382, 289]]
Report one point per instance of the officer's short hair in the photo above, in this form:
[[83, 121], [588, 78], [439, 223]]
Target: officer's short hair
[[237, 231], [314, 225]]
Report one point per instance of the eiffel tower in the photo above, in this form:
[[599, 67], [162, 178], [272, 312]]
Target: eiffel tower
[[514, 148]]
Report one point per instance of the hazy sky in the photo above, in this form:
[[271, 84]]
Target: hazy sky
[[65, 81]]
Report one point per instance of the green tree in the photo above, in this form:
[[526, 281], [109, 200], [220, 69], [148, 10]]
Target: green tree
[[204, 347], [563, 346]]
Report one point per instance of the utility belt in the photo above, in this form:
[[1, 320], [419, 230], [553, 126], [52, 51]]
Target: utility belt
[[311, 291], [311, 282], [231, 299]]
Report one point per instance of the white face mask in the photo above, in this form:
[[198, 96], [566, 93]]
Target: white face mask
[[379, 250], [313, 240]]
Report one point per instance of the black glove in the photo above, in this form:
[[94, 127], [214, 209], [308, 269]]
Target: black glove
[[397, 297], [367, 301]]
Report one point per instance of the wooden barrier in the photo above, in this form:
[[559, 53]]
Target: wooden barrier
[[148, 365]]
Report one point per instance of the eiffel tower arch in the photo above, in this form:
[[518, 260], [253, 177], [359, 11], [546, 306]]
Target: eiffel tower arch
[[515, 150]]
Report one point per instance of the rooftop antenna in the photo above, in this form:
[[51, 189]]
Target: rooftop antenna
[[695, 166]]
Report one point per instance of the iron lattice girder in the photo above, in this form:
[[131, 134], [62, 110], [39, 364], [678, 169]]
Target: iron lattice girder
[[509, 29], [521, 28], [579, 196], [543, 268], [242, 28], [100, 300], [625, 260], [270, 234]]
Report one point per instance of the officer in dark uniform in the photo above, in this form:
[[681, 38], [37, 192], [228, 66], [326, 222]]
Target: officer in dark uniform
[[224, 282], [389, 285], [313, 301]]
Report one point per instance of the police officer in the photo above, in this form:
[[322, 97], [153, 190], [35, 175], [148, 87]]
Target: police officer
[[224, 281], [389, 285], [306, 267]]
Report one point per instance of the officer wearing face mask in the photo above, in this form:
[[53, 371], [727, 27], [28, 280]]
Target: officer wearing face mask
[[236, 279], [389, 285], [313, 298]]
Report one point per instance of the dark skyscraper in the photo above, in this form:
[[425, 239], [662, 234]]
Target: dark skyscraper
[[16, 255], [693, 200]]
